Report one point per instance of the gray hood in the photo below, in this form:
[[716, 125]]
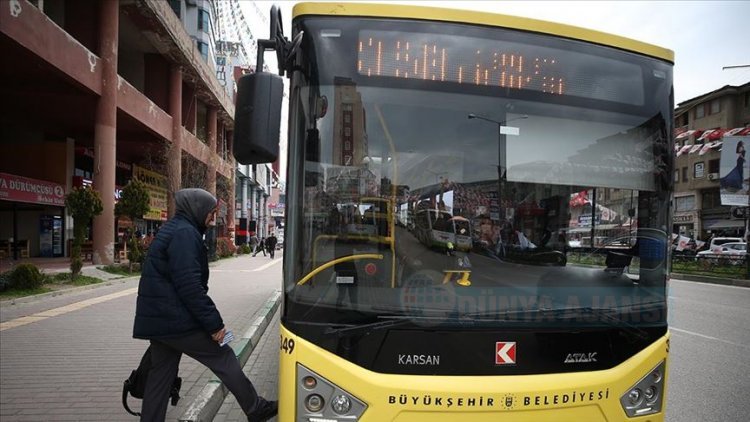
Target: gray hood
[[194, 204]]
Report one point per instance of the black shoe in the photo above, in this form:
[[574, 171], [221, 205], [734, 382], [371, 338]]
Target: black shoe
[[264, 412]]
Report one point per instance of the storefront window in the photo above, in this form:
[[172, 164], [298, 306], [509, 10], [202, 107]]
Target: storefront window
[[684, 203]]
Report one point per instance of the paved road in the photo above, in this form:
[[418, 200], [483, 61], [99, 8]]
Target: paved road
[[69, 360], [709, 378], [70, 364]]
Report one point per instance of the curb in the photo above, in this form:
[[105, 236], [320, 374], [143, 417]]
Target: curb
[[33, 298], [211, 397], [711, 280]]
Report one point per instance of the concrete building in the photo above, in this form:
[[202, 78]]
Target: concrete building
[[700, 124], [99, 92]]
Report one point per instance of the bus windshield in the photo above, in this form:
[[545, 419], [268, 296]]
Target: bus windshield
[[470, 173]]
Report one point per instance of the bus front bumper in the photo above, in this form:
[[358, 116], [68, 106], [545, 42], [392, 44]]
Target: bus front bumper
[[579, 396]]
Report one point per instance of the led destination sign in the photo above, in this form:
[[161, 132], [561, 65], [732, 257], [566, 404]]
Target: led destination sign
[[498, 63]]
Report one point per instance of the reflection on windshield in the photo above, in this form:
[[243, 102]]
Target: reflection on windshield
[[410, 207]]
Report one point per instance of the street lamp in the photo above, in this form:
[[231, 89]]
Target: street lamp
[[500, 149]]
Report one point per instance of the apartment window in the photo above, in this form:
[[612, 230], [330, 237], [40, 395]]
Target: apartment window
[[203, 20], [176, 7], [677, 176], [203, 48], [700, 111], [713, 166], [715, 106], [684, 203], [699, 170], [711, 199], [747, 99], [684, 174]]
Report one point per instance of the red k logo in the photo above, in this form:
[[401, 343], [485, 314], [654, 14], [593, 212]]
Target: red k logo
[[505, 353]]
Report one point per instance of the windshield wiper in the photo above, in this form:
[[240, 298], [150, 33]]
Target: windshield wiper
[[384, 321]]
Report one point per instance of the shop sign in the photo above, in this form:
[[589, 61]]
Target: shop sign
[[683, 218], [89, 152], [23, 189], [79, 181], [585, 220], [156, 186]]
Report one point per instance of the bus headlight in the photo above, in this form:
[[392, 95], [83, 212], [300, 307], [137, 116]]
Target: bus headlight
[[341, 404], [315, 392], [645, 397], [314, 403]]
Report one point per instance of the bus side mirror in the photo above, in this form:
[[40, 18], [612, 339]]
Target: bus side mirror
[[257, 118]]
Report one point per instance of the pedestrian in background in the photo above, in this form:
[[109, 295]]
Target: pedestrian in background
[[253, 243], [271, 244], [176, 314], [261, 247]]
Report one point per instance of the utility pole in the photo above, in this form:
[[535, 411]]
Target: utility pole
[[500, 156]]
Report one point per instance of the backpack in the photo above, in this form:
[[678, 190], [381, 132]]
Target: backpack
[[135, 385]]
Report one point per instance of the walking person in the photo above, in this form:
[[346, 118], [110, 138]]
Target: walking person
[[261, 247], [176, 314], [271, 244], [253, 242]]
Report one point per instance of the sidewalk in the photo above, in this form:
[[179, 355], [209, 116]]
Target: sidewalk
[[262, 368], [70, 361]]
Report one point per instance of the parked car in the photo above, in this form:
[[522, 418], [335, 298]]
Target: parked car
[[733, 251], [717, 242]]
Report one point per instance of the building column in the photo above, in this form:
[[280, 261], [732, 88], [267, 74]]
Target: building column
[[174, 154], [265, 215], [258, 211], [105, 131], [70, 164], [232, 200], [211, 181], [243, 205]]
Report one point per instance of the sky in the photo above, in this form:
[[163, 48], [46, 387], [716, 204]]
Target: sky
[[704, 35]]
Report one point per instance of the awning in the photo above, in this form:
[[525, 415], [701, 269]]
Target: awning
[[695, 148], [722, 224]]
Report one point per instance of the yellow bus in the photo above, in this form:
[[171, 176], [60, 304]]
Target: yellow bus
[[519, 115]]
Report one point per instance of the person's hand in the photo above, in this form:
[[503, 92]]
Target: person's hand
[[219, 335]]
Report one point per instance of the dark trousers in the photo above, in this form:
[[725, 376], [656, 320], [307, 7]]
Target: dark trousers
[[259, 249], [165, 360]]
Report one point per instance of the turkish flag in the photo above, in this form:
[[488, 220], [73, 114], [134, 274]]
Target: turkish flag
[[580, 199]]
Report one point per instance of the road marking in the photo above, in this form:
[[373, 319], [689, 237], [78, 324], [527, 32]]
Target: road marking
[[263, 267], [41, 316], [692, 333]]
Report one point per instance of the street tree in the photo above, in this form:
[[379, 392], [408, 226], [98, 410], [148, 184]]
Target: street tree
[[83, 204], [134, 203]]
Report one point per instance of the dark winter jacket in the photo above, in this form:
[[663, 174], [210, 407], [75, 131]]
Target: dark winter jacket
[[173, 291]]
